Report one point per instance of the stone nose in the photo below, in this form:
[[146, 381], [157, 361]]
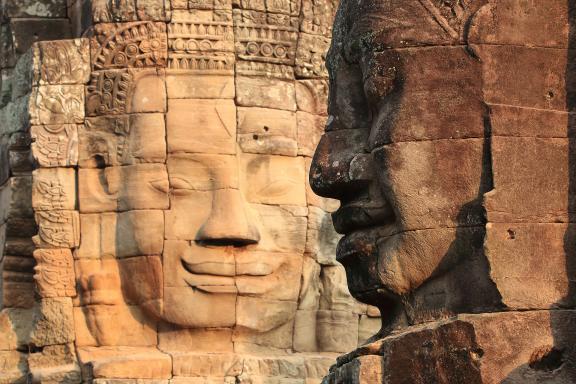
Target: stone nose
[[229, 222]]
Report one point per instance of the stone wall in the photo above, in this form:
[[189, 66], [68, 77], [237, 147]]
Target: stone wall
[[158, 221]]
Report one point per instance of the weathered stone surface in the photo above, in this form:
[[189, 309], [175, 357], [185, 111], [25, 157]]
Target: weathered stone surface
[[27, 8], [53, 322], [186, 124], [113, 325], [54, 273], [54, 189], [122, 140], [57, 229], [265, 93], [267, 131], [55, 145], [185, 85], [274, 179], [131, 187], [101, 234], [55, 363], [125, 362]]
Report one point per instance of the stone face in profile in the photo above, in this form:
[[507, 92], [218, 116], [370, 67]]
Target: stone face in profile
[[449, 145], [156, 220]]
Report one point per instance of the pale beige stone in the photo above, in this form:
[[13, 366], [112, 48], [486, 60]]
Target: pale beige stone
[[55, 364], [54, 273], [55, 145], [310, 289], [310, 129], [276, 341], [174, 339], [141, 231], [312, 96], [272, 313], [334, 293], [149, 93], [186, 85], [266, 93], [54, 189], [122, 140], [267, 131], [181, 307], [273, 179], [206, 366], [337, 331], [53, 322], [201, 126], [280, 230], [125, 362], [57, 104], [142, 186], [13, 367], [57, 229], [202, 172], [98, 282], [273, 276], [305, 331], [368, 327], [113, 325], [321, 239]]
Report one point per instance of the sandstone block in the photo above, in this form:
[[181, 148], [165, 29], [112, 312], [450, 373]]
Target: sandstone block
[[175, 339], [113, 325], [129, 45], [116, 92], [13, 367], [57, 229], [54, 189], [55, 145], [310, 129], [55, 364], [321, 239], [98, 282], [26, 31], [274, 313], [280, 230], [141, 186], [368, 327], [207, 366], [141, 231], [201, 126], [181, 307], [305, 328], [504, 66], [337, 331], [506, 243], [274, 179], [311, 55], [530, 180], [186, 85], [334, 293], [265, 93], [267, 131], [122, 140], [311, 285], [53, 322], [312, 96], [125, 362], [54, 273], [57, 104]]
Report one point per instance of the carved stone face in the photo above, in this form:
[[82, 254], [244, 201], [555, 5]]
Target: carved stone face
[[404, 148]]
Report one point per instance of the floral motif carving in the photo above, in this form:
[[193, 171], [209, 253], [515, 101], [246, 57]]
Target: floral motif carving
[[311, 55], [57, 229], [63, 61], [55, 145], [54, 273], [129, 45], [108, 92], [57, 104], [267, 43]]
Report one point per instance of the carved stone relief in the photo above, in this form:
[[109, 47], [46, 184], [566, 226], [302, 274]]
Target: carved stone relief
[[170, 233]]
